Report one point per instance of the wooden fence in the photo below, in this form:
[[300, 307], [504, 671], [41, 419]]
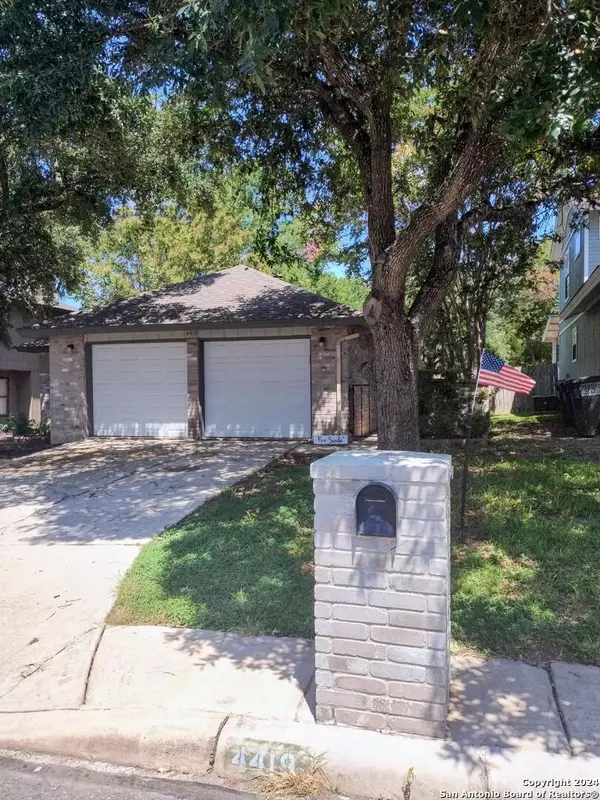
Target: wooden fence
[[504, 402]]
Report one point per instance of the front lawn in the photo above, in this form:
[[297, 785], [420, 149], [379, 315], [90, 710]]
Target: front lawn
[[242, 563], [526, 580]]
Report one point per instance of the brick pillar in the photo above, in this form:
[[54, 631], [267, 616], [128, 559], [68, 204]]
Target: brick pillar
[[382, 604], [44, 387], [68, 401], [193, 391]]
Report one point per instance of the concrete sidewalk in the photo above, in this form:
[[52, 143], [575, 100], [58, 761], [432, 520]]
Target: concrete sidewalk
[[201, 701], [494, 702]]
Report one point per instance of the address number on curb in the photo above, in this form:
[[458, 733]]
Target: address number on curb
[[264, 760]]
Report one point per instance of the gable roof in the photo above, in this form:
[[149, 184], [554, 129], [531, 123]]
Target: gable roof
[[237, 296]]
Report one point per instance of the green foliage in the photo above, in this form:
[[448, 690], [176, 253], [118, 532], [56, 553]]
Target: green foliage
[[18, 424], [208, 221], [72, 138], [520, 311], [445, 406]]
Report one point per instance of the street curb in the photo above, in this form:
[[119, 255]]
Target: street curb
[[165, 740], [379, 765], [236, 748]]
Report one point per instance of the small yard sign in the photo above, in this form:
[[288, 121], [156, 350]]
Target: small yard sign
[[331, 438]]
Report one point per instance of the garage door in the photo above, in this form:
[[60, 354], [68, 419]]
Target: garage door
[[258, 388], [140, 389]]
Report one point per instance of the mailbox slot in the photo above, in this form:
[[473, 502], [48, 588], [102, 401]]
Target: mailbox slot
[[376, 511]]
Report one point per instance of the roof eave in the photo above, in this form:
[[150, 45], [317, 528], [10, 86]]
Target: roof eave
[[34, 333]]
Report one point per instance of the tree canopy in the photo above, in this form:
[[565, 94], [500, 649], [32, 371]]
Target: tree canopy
[[401, 123], [329, 93]]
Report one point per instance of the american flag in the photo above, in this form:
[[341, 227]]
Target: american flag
[[496, 372]]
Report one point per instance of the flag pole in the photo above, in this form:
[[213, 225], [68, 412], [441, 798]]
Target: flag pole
[[465, 474]]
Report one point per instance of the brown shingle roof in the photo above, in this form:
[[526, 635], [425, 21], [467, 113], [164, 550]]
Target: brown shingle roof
[[237, 296]]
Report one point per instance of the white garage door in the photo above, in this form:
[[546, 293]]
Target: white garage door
[[140, 389], [258, 388]]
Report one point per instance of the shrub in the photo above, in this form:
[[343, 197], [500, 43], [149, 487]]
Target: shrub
[[18, 424], [444, 407]]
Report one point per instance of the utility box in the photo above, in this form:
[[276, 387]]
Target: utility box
[[382, 590]]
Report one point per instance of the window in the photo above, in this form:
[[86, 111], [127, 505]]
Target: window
[[577, 242], [566, 287], [574, 343], [3, 397]]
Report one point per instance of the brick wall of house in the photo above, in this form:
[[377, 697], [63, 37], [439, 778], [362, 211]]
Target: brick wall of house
[[358, 378], [68, 406], [44, 387], [323, 358], [193, 391]]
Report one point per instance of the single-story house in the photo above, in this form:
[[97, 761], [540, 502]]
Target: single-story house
[[24, 369], [236, 353]]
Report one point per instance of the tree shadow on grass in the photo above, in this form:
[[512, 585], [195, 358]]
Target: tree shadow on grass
[[242, 564], [526, 583]]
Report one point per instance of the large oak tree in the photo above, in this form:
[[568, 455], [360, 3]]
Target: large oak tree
[[306, 85], [328, 96]]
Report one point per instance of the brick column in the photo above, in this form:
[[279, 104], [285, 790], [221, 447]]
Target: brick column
[[382, 604], [193, 391], [68, 401]]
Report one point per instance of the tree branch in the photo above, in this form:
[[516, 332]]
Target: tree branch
[[446, 262], [339, 74], [351, 126], [479, 151]]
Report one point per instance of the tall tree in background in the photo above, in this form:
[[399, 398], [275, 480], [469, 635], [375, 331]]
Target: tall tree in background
[[72, 135], [498, 264], [303, 84], [520, 311]]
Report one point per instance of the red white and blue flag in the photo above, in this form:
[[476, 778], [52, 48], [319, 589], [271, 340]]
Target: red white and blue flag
[[496, 372]]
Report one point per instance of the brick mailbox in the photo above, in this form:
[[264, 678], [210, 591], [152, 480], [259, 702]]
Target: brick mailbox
[[382, 572]]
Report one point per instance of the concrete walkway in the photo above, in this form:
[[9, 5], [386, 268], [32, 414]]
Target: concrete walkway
[[495, 703], [71, 522]]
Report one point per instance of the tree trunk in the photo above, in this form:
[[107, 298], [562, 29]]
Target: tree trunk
[[396, 379]]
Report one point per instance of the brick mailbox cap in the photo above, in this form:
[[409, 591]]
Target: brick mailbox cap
[[383, 465]]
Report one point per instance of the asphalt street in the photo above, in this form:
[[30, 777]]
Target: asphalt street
[[33, 780]]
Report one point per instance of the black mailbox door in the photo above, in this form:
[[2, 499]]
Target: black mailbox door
[[376, 511]]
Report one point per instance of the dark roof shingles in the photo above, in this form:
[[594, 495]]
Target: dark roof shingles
[[238, 295]]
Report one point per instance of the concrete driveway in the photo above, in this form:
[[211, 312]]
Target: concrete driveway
[[72, 520]]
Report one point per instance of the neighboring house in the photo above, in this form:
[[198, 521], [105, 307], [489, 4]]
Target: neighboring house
[[575, 331], [230, 354], [24, 374]]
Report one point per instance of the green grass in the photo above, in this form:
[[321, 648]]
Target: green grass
[[526, 581], [525, 417], [526, 578], [241, 563]]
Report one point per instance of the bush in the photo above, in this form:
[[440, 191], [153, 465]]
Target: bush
[[444, 407], [19, 425]]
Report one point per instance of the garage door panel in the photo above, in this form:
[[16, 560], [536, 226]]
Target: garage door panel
[[140, 389], [258, 388]]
